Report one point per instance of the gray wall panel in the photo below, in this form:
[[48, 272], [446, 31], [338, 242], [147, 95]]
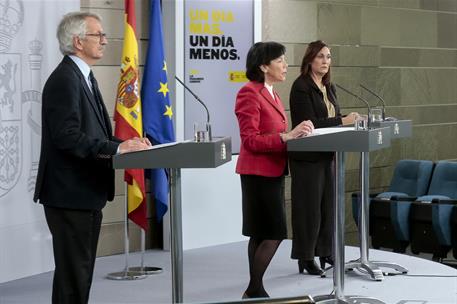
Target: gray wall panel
[[405, 50]]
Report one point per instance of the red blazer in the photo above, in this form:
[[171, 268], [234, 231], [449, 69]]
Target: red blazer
[[261, 119]]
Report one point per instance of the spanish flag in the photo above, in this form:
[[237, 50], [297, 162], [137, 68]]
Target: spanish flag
[[128, 117]]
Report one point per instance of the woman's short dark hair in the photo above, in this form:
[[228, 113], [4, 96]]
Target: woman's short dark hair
[[259, 54], [311, 52]]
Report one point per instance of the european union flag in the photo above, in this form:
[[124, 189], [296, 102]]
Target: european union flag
[[157, 111]]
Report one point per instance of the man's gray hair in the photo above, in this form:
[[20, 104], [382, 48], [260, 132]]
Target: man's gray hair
[[73, 24]]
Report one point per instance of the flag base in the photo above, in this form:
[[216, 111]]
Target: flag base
[[146, 270], [126, 276]]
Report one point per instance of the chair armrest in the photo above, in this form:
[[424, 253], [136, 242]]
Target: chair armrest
[[404, 198], [395, 198], [371, 195], [444, 201]]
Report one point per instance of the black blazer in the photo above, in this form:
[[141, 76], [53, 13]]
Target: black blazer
[[307, 103], [76, 145]]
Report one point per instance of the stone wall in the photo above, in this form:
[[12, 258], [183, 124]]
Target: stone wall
[[406, 50]]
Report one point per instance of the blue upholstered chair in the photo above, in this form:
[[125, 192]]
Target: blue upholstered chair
[[454, 232], [411, 179], [430, 218]]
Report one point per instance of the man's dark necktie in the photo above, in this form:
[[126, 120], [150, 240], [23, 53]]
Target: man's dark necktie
[[96, 93]]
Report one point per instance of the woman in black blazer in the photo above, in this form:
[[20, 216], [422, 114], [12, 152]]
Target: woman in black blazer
[[313, 97]]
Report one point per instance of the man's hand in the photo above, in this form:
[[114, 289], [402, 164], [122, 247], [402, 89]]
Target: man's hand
[[134, 144]]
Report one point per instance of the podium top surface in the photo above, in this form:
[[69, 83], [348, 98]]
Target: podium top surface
[[185, 154], [343, 139]]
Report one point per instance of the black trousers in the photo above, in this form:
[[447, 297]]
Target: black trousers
[[74, 238], [312, 208]]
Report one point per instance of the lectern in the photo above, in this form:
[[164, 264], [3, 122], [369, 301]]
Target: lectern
[[341, 140], [398, 129], [187, 154]]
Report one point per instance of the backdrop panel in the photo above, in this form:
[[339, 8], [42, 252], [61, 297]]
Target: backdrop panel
[[218, 35], [28, 53]]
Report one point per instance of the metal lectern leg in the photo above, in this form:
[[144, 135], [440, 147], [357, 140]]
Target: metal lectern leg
[[363, 264], [364, 208], [339, 218], [176, 236], [338, 272], [338, 238]]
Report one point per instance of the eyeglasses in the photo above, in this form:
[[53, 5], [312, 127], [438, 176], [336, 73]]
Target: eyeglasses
[[100, 35]]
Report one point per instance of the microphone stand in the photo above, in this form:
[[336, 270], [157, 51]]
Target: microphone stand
[[202, 103], [383, 103], [359, 98]]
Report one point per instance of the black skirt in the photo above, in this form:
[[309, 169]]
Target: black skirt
[[264, 214]]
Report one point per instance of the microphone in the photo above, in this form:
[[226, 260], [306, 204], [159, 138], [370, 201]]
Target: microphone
[[195, 96], [383, 103], [359, 98], [199, 136]]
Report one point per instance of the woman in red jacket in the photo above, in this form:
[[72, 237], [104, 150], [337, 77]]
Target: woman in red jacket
[[262, 161]]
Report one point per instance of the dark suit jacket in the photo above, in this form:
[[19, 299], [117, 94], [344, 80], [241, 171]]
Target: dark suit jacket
[[76, 145], [307, 103], [261, 119]]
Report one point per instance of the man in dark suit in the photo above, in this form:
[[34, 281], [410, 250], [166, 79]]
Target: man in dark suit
[[75, 177]]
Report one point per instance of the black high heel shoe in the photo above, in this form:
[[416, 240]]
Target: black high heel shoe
[[263, 294], [326, 259], [310, 266]]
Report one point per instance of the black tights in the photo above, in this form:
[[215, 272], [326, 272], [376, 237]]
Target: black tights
[[260, 253]]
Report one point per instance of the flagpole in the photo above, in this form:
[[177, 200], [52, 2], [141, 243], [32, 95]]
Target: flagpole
[[126, 274], [145, 270]]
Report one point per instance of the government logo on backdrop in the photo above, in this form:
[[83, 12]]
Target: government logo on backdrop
[[11, 20], [20, 99]]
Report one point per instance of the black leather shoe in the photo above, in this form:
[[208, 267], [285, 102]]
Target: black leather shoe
[[310, 266], [326, 259]]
